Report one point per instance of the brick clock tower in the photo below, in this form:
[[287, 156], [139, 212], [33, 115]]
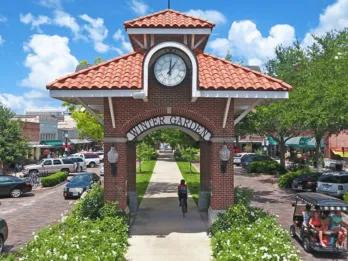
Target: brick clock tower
[[169, 81]]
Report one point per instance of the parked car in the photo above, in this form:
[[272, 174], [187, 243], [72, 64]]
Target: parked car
[[91, 159], [247, 159], [306, 182], [101, 169], [309, 236], [49, 166], [334, 184], [101, 155], [13, 186], [3, 234], [237, 158], [80, 164], [79, 184]]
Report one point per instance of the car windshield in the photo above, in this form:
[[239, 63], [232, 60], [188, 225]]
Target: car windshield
[[81, 180], [334, 178]]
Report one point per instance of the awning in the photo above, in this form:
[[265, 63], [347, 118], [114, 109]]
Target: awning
[[302, 142], [272, 141], [79, 141], [54, 143], [343, 152]]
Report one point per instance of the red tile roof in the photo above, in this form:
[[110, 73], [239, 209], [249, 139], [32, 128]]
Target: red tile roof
[[126, 73], [218, 74], [123, 72], [168, 19]]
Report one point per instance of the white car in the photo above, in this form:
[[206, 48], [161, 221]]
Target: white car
[[101, 155], [101, 169], [238, 157], [91, 159], [334, 184]]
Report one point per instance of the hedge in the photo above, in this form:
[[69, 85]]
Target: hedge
[[53, 179], [267, 167], [249, 233], [93, 231], [285, 180]]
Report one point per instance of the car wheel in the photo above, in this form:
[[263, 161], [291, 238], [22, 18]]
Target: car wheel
[[307, 245], [33, 172], [2, 244], [292, 231], [16, 193], [92, 165]]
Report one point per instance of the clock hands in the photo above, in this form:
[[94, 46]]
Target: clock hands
[[171, 67]]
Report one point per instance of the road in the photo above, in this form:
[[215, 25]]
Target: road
[[32, 212]]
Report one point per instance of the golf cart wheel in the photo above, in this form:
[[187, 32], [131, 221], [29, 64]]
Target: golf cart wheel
[[2, 244], [292, 231], [16, 193], [307, 245]]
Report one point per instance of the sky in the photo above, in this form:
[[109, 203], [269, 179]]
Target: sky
[[41, 40]]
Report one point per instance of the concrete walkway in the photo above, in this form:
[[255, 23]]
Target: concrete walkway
[[160, 232]]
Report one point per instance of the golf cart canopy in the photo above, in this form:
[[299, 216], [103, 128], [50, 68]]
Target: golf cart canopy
[[322, 201]]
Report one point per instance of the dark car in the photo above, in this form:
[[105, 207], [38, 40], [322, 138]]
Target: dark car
[[3, 233], [306, 182], [13, 186], [79, 184], [247, 159]]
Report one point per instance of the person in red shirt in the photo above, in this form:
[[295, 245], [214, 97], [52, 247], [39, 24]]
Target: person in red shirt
[[182, 192]]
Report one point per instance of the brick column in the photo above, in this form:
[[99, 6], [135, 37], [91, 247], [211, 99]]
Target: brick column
[[116, 186], [222, 184], [204, 194], [132, 194]]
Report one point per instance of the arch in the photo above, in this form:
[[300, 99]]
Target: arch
[[189, 132], [193, 128], [179, 46]]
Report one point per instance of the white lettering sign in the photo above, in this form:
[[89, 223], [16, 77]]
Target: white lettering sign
[[168, 121]]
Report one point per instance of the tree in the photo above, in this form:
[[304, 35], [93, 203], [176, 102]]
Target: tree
[[144, 152], [189, 154], [13, 146]]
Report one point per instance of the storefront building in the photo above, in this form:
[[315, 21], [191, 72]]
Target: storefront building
[[169, 81]]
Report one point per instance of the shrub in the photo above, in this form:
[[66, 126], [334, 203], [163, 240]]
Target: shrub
[[53, 179], [93, 231], [285, 180], [267, 166], [345, 197], [243, 195]]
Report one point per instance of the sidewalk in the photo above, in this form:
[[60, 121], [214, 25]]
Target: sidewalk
[[160, 232]]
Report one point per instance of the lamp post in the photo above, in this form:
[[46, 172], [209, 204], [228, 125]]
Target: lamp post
[[225, 155], [113, 158], [66, 143]]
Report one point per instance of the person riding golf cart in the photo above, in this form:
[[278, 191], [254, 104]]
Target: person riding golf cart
[[318, 223]]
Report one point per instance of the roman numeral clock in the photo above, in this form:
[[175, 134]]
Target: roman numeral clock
[[170, 69]]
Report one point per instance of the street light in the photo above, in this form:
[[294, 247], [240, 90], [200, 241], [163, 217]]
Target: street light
[[66, 143], [225, 155], [113, 158]]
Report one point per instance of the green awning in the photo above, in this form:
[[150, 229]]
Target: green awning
[[272, 141], [54, 143], [302, 142]]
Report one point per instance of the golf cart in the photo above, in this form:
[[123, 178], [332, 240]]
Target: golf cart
[[309, 236]]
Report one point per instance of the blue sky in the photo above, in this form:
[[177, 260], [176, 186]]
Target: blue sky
[[41, 40]]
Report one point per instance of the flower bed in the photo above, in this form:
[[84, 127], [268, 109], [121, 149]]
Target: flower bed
[[53, 179], [249, 233], [93, 231]]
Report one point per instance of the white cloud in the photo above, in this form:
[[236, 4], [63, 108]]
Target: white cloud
[[35, 22], [3, 19], [139, 7], [97, 32], [51, 3], [245, 41], [64, 19], [125, 46], [49, 57], [213, 16], [335, 17], [1, 40]]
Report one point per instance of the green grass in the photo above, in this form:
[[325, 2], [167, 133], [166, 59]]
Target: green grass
[[143, 178], [192, 179]]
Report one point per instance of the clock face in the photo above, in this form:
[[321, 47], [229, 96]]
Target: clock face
[[170, 69]]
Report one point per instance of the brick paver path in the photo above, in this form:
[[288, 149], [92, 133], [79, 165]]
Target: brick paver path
[[32, 212], [160, 232]]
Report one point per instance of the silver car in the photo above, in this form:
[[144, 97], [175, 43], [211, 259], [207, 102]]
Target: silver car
[[334, 184]]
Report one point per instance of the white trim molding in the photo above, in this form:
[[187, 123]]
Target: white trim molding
[[111, 108], [169, 31], [244, 113], [136, 94], [163, 45], [242, 94]]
